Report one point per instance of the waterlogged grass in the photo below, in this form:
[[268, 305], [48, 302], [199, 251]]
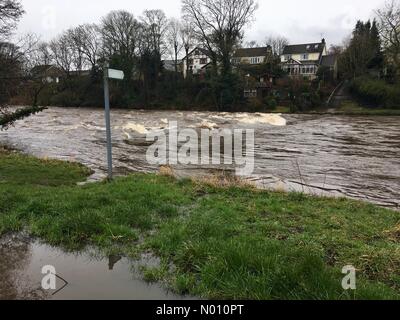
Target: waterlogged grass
[[352, 108], [20, 170], [232, 242]]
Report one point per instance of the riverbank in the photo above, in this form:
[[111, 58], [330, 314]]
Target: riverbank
[[346, 109], [349, 108], [354, 109], [228, 242]]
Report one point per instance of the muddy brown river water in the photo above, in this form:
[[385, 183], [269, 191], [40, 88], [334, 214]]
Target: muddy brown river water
[[355, 157]]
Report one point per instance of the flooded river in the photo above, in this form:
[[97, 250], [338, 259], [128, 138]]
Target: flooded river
[[356, 157]]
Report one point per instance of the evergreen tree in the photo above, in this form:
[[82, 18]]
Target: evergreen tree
[[364, 51]]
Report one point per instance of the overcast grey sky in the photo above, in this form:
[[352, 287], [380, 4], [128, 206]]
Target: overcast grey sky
[[299, 21]]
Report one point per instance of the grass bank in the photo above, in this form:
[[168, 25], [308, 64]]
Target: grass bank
[[224, 242], [348, 108], [353, 108]]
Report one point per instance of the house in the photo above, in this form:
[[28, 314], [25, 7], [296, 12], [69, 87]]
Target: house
[[199, 59], [80, 73], [47, 73], [257, 81], [253, 56], [169, 65], [196, 61], [330, 62], [304, 60]]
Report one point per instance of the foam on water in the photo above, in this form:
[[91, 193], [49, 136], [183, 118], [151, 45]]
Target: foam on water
[[264, 118], [139, 128], [208, 125]]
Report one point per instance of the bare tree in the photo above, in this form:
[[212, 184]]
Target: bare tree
[[32, 53], [187, 38], [16, 61], [122, 36], [252, 44], [63, 53], [336, 49], [11, 70], [86, 42], [219, 25], [90, 43], [10, 13], [76, 49], [44, 53], [156, 25], [174, 40], [37, 57], [277, 44], [389, 29]]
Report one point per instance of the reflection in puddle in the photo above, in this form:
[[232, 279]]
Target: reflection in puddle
[[86, 276]]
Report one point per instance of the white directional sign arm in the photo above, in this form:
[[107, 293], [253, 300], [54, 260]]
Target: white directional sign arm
[[116, 74]]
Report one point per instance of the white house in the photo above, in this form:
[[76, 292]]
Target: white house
[[304, 60], [254, 56], [196, 61], [47, 73]]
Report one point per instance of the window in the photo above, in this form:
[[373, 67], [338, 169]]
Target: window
[[288, 57], [250, 93], [203, 61], [190, 61], [254, 60], [197, 52], [305, 56]]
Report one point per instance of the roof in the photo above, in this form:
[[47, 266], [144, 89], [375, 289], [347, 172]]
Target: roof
[[305, 48], [80, 73], [45, 69], [252, 52], [41, 68], [329, 60], [206, 66], [202, 50], [169, 65]]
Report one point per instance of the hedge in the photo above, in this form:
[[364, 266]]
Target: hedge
[[376, 93]]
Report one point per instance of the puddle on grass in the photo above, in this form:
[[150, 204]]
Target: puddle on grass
[[87, 277]]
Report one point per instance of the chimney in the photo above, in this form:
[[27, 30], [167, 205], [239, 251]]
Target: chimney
[[323, 40]]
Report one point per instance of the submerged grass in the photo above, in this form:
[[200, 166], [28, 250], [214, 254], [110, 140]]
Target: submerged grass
[[354, 109], [224, 242]]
